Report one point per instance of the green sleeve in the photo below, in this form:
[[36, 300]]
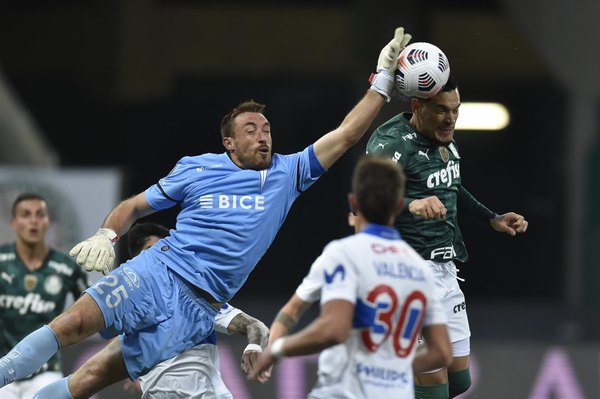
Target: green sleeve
[[468, 205]]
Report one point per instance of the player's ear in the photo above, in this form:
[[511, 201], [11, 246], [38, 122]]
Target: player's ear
[[351, 221], [352, 202], [415, 105], [228, 144]]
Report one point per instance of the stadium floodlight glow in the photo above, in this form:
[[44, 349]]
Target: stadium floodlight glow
[[482, 116]]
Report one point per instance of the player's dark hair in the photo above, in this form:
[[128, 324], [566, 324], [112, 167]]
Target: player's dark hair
[[25, 197], [450, 85], [378, 184], [139, 233], [246, 106]]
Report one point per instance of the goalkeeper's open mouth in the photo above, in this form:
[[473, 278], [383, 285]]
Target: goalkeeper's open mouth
[[265, 149]]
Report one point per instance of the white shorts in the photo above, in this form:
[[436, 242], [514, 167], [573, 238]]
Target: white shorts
[[26, 389], [196, 373], [453, 300]]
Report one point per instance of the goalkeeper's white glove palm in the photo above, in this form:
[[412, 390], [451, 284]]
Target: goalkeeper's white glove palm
[[383, 81], [97, 252]]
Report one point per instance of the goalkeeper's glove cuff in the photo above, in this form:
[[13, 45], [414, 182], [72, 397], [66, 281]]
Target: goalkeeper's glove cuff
[[110, 234], [383, 83]]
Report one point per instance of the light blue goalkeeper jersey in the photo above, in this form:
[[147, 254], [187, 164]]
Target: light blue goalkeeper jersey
[[229, 215]]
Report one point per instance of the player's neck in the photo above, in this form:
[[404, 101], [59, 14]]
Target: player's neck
[[32, 254], [360, 223]]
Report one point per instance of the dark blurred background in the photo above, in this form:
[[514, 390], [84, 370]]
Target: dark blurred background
[[137, 84]]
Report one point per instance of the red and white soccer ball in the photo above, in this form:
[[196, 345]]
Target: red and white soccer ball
[[423, 69]]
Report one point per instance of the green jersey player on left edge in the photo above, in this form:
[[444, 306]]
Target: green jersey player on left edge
[[35, 281]]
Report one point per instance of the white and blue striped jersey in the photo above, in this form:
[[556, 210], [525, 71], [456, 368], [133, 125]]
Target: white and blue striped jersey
[[229, 215], [394, 295]]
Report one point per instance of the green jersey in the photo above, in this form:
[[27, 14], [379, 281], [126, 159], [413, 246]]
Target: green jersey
[[431, 169], [30, 299]]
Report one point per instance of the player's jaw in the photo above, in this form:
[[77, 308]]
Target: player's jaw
[[256, 158], [263, 158], [31, 235], [35, 234], [444, 133]]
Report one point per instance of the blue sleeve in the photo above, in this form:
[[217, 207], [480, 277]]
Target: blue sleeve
[[309, 169], [316, 169], [169, 190]]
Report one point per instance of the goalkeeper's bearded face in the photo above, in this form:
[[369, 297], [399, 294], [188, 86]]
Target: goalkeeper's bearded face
[[250, 145]]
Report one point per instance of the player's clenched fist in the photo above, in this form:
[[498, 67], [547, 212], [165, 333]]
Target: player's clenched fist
[[510, 223], [428, 208], [97, 252], [250, 357]]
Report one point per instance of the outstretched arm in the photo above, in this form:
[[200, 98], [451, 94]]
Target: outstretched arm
[[287, 318], [468, 205], [97, 252], [510, 223], [126, 213], [331, 327], [330, 147]]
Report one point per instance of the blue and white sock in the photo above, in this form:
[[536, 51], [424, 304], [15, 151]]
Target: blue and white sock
[[28, 355], [57, 390]]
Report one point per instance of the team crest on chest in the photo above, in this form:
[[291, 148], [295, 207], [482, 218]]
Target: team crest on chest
[[30, 282], [53, 285], [444, 153]]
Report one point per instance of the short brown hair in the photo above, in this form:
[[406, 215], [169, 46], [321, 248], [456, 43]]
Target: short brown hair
[[25, 197], [246, 106], [378, 184]]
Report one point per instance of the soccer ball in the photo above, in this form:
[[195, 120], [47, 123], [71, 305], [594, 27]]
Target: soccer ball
[[423, 69]]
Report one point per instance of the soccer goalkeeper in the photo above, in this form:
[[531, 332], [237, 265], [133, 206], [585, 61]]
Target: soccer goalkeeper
[[232, 205]]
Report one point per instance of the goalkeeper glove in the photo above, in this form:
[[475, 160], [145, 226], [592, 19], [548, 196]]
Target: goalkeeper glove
[[383, 81], [97, 252]]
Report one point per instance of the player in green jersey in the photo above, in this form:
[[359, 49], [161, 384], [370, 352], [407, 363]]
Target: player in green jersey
[[422, 142], [34, 283]]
